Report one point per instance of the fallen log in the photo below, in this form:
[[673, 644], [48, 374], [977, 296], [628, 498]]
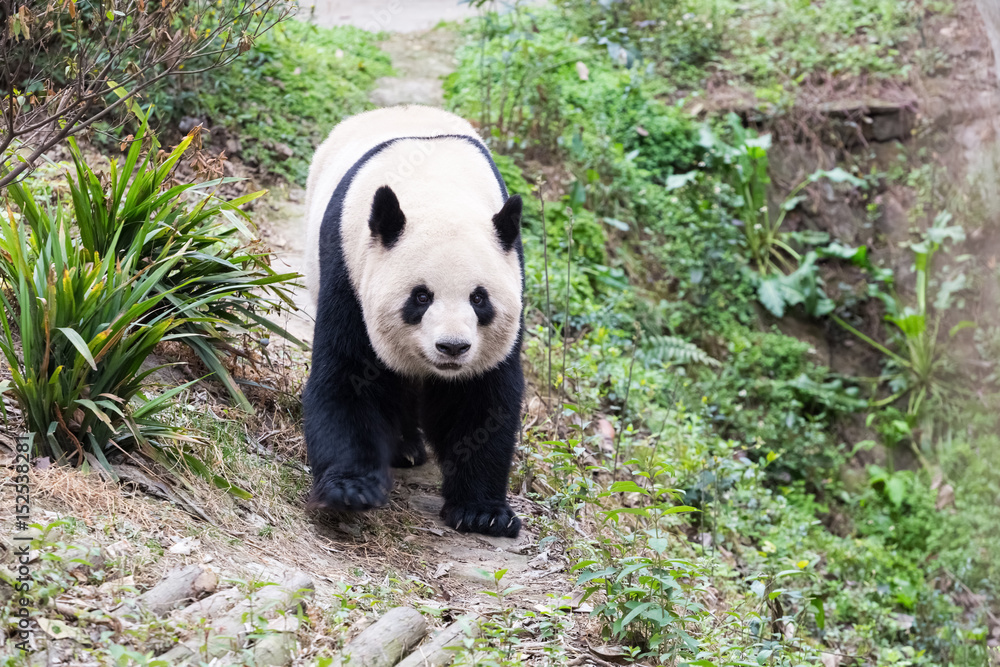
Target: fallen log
[[385, 642], [210, 607], [228, 632], [440, 651], [180, 586]]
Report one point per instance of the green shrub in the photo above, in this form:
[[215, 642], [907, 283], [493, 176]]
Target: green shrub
[[675, 38], [770, 45], [784, 42], [83, 330], [99, 283], [769, 394], [223, 284]]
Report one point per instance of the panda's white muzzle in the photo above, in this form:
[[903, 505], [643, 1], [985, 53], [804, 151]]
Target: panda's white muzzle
[[450, 342]]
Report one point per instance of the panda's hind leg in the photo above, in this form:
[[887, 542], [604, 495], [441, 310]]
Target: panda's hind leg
[[409, 451]]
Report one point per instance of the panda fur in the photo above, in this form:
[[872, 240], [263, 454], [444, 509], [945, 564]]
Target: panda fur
[[416, 268]]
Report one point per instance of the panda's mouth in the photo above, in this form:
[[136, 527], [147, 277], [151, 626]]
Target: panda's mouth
[[442, 366]]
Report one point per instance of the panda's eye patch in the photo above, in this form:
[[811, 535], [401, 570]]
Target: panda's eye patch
[[417, 304], [480, 300]]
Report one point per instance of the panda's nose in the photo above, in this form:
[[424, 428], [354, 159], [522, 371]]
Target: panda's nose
[[453, 348]]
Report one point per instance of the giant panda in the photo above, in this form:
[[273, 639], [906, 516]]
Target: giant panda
[[416, 269]]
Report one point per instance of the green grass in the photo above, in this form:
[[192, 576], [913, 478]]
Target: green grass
[[767, 47], [786, 42]]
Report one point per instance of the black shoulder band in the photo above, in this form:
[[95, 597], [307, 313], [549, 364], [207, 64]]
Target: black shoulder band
[[330, 227], [348, 178]]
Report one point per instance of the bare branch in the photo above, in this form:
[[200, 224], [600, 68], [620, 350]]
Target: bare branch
[[55, 83]]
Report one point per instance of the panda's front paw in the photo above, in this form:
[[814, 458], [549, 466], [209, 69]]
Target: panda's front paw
[[488, 519], [347, 493], [409, 454]]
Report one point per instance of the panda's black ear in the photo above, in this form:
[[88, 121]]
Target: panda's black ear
[[508, 222], [387, 219]]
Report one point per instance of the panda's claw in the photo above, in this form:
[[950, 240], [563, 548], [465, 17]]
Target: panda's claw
[[495, 519], [354, 493], [409, 454]]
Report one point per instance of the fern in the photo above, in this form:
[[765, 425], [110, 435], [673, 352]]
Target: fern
[[671, 349]]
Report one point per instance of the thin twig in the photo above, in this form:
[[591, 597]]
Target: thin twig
[[548, 297], [628, 387], [569, 291]]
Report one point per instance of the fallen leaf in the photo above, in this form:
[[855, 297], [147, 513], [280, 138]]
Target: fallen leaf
[[185, 546], [945, 498], [443, 569], [60, 630], [582, 71]]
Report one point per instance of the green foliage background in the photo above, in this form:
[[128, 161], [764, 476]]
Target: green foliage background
[[862, 560]]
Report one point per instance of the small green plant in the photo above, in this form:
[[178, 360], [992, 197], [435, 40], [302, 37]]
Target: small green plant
[[921, 367], [648, 597], [743, 165]]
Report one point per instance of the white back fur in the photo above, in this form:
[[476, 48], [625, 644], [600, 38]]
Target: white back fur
[[449, 195]]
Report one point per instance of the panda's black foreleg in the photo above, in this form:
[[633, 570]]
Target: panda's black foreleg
[[473, 428], [351, 405], [409, 451]]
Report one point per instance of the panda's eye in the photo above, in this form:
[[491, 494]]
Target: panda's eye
[[423, 298], [477, 299]]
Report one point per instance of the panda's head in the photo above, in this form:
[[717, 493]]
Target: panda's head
[[442, 294]]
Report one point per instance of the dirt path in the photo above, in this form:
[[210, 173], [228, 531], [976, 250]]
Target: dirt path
[[396, 16], [459, 566]]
